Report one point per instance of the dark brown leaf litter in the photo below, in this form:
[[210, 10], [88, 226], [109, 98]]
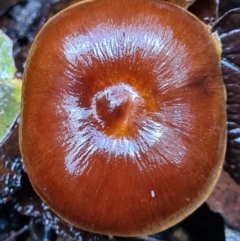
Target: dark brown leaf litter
[[205, 10], [10, 221], [225, 199], [11, 166], [228, 29], [5, 5], [227, 5], [10, 178], [42, 218]]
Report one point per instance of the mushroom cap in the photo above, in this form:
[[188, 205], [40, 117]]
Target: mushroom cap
[[123, 118]]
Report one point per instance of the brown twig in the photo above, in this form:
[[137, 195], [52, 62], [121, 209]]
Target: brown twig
[[18, 233]]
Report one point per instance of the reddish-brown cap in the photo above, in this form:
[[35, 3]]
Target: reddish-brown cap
[[123, 122]]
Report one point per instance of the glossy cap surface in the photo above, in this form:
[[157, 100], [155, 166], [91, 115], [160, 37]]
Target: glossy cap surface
[[123, 115]]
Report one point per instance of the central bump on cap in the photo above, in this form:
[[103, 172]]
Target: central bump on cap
[[116, 106]]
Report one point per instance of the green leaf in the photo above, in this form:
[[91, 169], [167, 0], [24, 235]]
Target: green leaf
[[7, 66], [10, 87]]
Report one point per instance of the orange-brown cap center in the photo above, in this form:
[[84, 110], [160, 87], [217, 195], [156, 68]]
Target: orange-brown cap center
[[116, 107]]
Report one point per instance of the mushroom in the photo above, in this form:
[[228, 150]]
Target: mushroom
[[123, 120]]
